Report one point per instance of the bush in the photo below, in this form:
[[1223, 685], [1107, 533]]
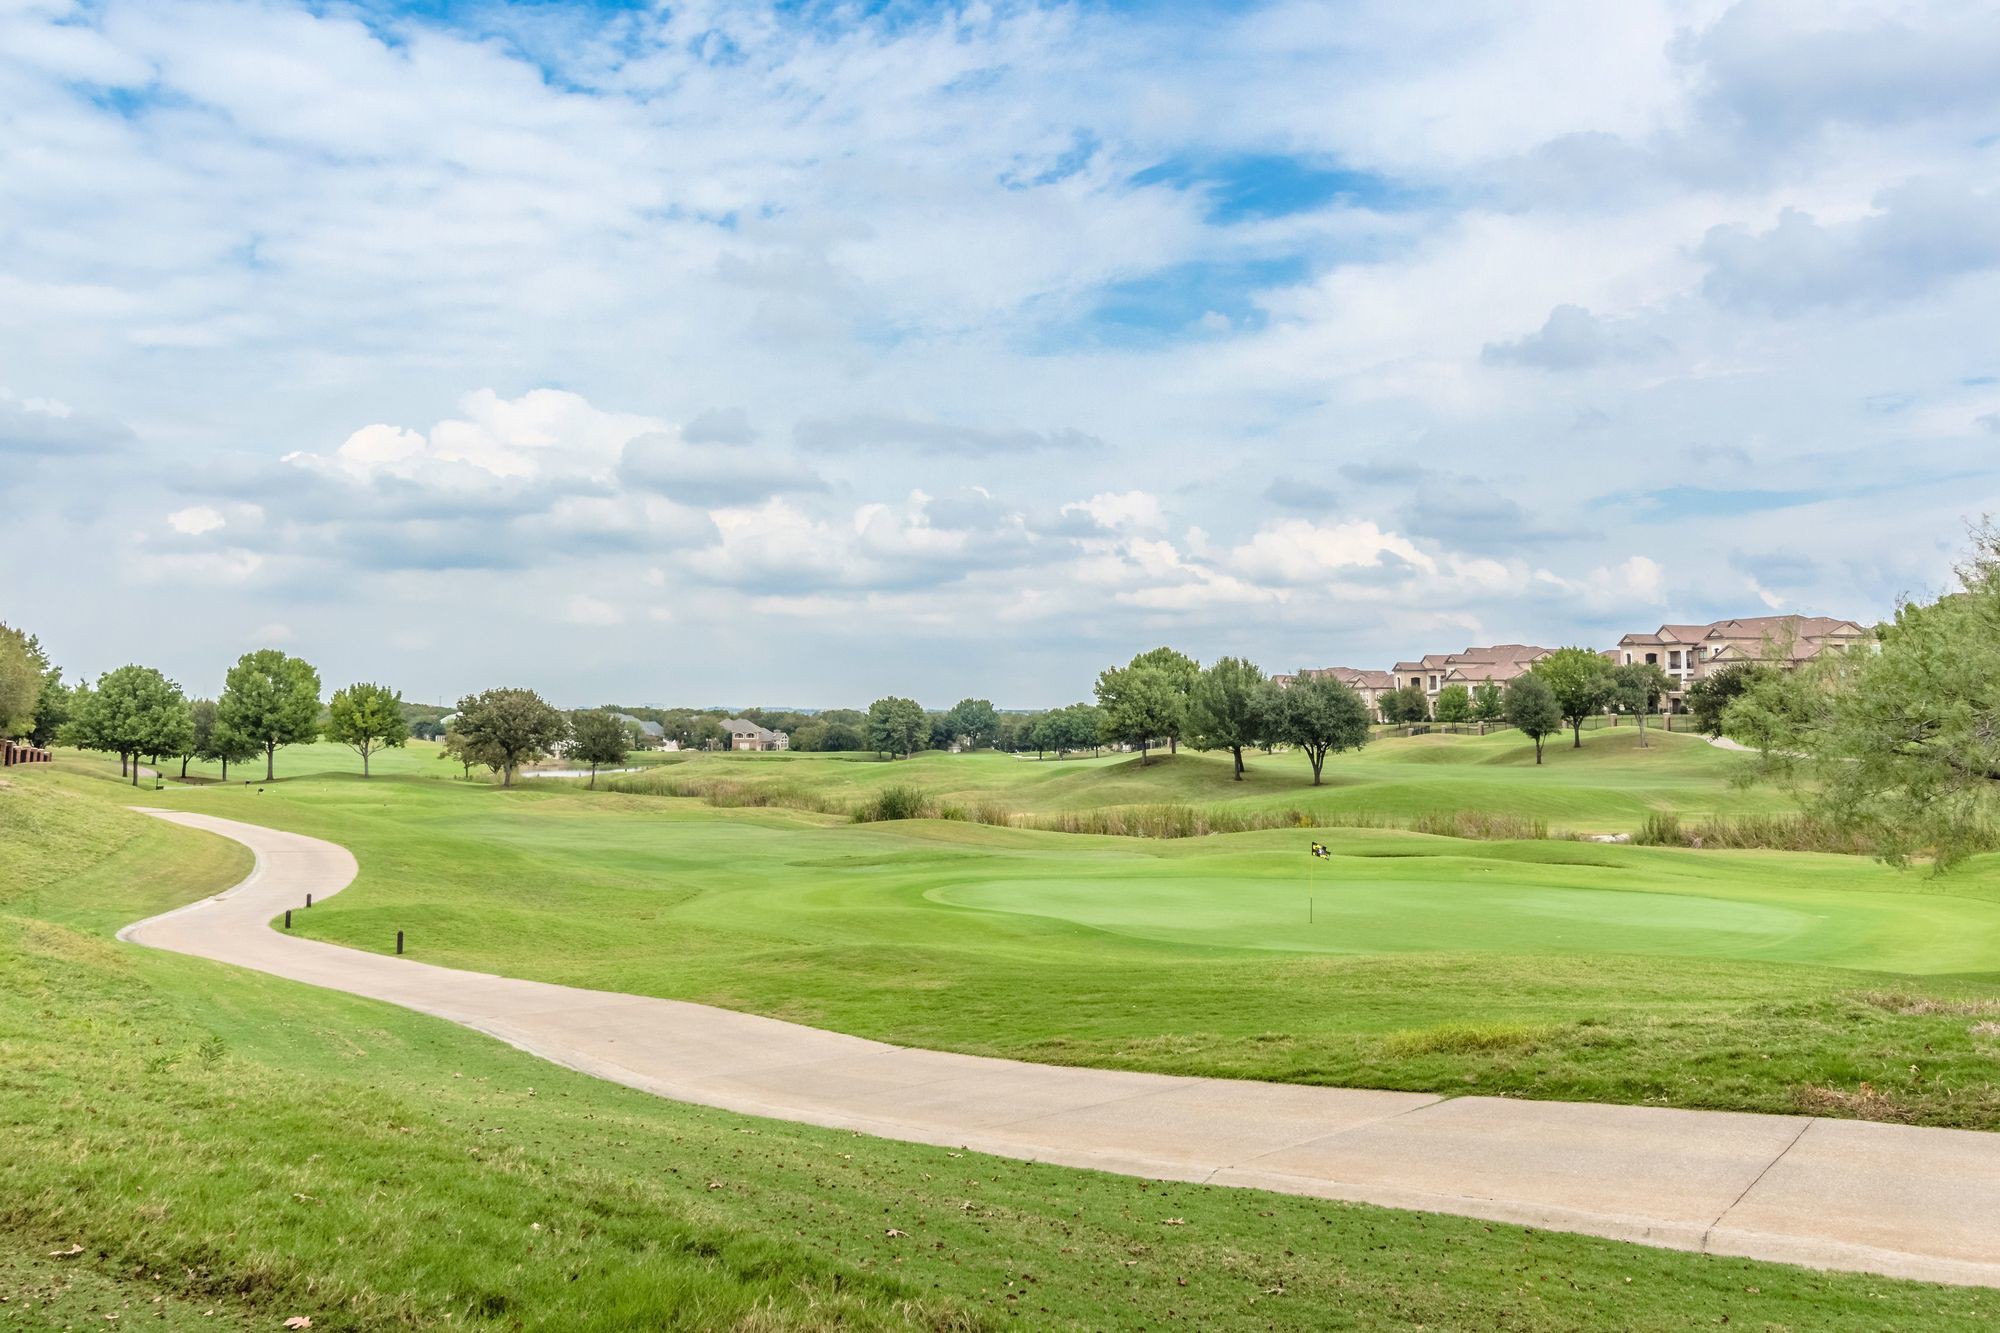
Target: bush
[[899, 802], [1661, 830]]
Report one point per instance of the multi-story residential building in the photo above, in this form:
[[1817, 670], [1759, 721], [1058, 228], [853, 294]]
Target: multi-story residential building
[[747, 735], [1370, 685], [1499, 663], [1689, 653]]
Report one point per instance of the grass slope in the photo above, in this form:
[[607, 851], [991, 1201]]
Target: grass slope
[[212, 1148], [1610, 785], [1738, 980]]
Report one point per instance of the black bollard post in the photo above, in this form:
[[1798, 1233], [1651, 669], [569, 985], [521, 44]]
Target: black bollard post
[[288, 918], [309, 900], [399, 944]]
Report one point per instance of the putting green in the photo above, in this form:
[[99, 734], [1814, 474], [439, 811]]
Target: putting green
[[1440, 904]]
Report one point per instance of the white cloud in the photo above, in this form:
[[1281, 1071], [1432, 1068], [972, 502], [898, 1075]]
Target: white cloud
[[1122, 511], [195, 520], [1294, 550]]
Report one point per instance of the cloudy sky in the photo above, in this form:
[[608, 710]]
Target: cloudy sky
[[801, 354]]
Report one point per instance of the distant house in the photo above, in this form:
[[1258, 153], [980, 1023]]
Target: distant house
[[1689, 653], [652, 736], [1370, 685], [747, 735]]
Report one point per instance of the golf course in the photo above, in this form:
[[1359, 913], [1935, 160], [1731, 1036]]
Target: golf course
[[1545, 967]]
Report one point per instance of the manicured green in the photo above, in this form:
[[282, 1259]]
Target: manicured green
[[1559, 969], [219, 1141]]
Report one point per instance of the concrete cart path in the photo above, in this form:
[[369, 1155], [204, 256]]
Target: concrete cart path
[[1893, 1199]]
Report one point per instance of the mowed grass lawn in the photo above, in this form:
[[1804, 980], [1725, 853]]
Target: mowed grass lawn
[[1610, 785], [1555, 969], [189, 1146]]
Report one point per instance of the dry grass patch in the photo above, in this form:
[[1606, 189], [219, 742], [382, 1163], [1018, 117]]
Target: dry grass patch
[[1897, 1003]]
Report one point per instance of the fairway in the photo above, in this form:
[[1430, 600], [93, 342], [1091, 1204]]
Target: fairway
[[1436, 904]]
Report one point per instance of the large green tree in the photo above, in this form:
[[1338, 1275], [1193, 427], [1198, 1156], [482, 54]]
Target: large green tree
[[1532, 707], [508, 727], [975, 722], [1142, 706], [273, 699], [897, 726], [218, 744], [22, 669], [1637, 688], [1181, 672], [1489, 702], [1321, 716], [1899, 739], [1581, 682], [1454, 704], [366, 718], [597, 738], [134, 711], [1408, 704], [1708, 699], [1231, 708]]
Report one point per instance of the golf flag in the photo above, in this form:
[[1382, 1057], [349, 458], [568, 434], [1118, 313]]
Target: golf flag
[[1319, 849]]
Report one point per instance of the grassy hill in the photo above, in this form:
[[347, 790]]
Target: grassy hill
[[188, 1146], [1610, 785]]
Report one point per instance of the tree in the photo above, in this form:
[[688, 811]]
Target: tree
[[273, 699], [1901, 743], [52, 708], [1581, 682], [366, 718], [201, 735], [1408, 704], [1709, 698], [1321, 716], [975, 722], [507, 727], [597, 738], [897, 726], [22, 668], [1231, 708], [1532, 707], [1142, 704], [133, 711], [466, 752], [1454, 704], [221, 745], [1637, 688], [1181, 672], [1489, 703]]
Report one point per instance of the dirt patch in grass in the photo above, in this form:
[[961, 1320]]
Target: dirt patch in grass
[[1866, 1102]]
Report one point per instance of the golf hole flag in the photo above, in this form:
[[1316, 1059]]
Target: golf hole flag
[[1319, 850]]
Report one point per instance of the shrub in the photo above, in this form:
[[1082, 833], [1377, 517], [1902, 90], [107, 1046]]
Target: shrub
[[1662, 829], [899, 802]]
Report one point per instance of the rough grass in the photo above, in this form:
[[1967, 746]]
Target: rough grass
[[195, 1139]]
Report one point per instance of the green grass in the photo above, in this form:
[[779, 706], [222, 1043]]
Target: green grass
[[1734, 980], [1610, 785], [210, 1140]]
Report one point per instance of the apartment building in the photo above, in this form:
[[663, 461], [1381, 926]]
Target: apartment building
[[1689, 653], [1499, 663], [1370, 685]]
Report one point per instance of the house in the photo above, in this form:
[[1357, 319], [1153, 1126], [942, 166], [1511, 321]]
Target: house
[[1370, 685], [652, 736], [1472, 667], [1689, 653], [746, 735]]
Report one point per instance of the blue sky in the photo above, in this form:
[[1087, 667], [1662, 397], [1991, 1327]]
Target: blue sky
[[813, 352]]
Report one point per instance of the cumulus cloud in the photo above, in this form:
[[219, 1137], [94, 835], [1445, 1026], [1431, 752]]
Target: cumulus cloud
[[1572, 339], [1917, 238], [194, 520], [1295, 550]]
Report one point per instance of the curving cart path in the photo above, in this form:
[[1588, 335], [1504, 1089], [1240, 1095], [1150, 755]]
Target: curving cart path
[[1893, 1199]]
